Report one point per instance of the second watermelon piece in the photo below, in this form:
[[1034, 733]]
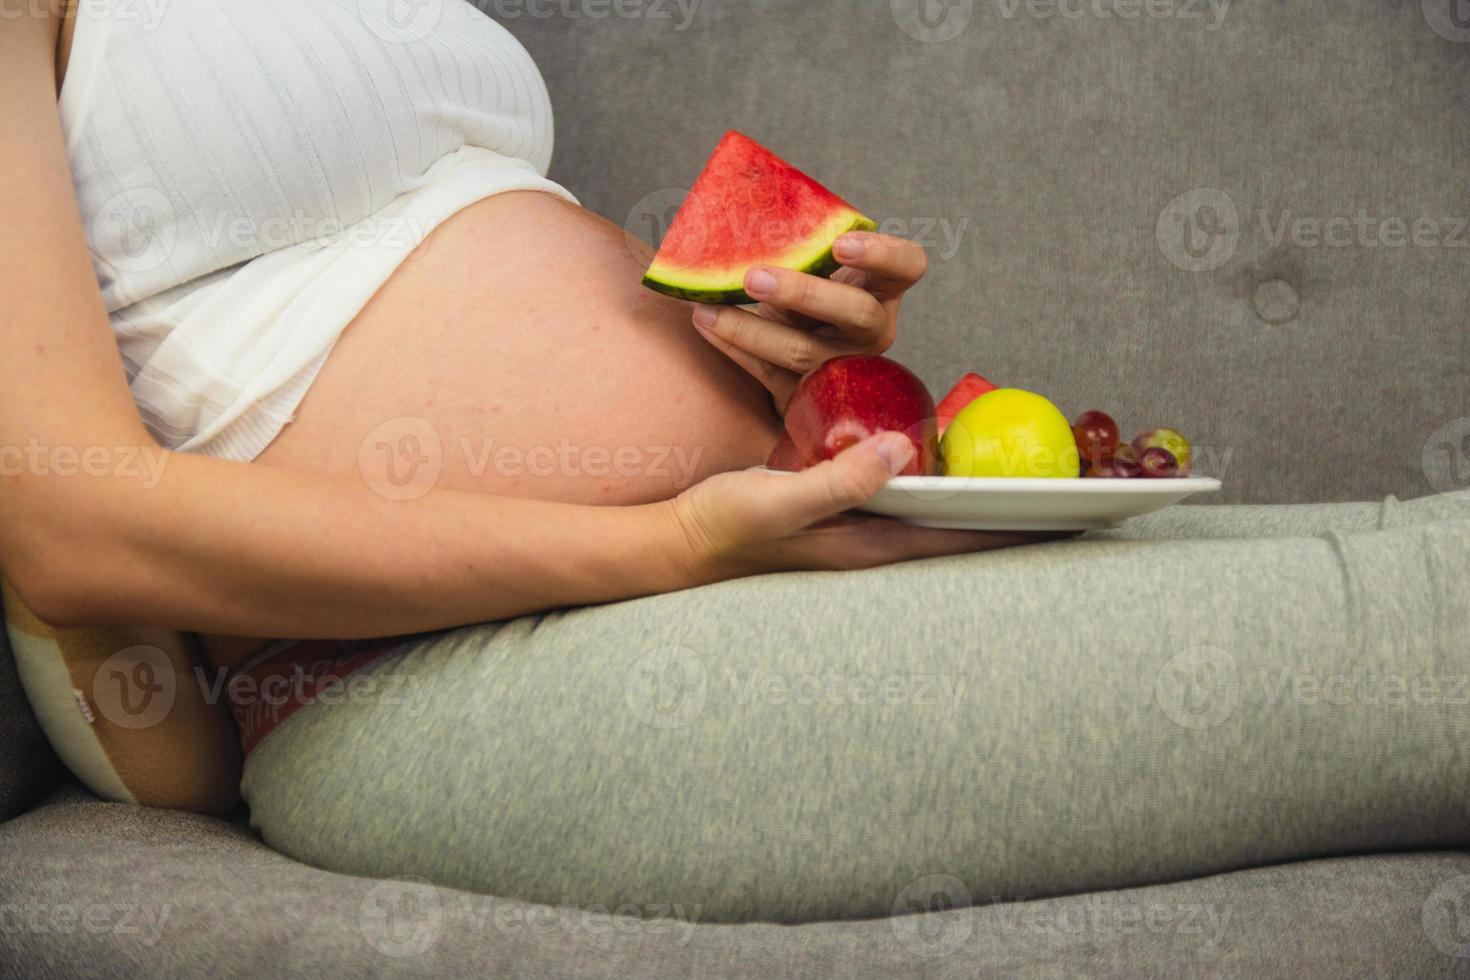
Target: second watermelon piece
[[749, 207]]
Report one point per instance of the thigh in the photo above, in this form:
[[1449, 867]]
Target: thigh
[[517, 353], [1292, 520], [1035, 721]]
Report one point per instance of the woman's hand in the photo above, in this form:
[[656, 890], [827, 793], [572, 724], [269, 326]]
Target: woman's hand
[[749, 522], [803, 320]]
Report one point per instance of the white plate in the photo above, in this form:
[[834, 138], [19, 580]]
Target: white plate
[[1024, 504]]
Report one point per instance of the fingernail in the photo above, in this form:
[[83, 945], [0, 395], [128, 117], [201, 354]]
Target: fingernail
[[895, 449], [704, 316], [759, 282], [849, 247]]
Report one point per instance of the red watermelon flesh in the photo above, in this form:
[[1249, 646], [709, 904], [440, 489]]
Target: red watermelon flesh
[[749, 207], [966, 390]]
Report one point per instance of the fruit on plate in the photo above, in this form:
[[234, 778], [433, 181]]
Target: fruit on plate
[[748, 207], [1010, 433], [850, 398], [966, 390], [1121, 465], [1168, 439], [1157, 463], [1097, 437], [787, 457]]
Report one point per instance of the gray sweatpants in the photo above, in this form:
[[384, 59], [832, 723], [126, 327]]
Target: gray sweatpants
[[1207, 688]]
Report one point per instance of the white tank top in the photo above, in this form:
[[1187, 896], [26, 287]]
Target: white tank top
[[251, 171]]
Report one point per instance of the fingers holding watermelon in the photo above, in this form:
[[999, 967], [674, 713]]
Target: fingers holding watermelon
[[775, 354], [754, 229], [859, 317], [884, 265], [804, 320]]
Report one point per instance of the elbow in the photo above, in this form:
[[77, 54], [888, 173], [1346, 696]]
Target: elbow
[[67, 577], [67, 548], [49, 593]]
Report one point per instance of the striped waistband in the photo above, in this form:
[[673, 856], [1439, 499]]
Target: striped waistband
[[288, 675]]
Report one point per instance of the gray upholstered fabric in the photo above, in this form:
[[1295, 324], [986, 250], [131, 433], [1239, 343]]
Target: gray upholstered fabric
[[101, 890], [28, 767], [1038, 155]]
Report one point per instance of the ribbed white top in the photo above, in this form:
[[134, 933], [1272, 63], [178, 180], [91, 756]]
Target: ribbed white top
[[251, 171]]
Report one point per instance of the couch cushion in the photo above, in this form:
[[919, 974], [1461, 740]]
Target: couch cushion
[[89, 888], [27, 765], [1054, 157]]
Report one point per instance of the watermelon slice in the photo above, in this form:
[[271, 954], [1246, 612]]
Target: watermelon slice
[[749, 207], [966, 390]]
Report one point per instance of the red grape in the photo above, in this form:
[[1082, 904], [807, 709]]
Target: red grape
[[1157, 463], [1097, 436], [1122, 464]]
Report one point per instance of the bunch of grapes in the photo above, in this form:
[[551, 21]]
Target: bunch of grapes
[[1156, 454]]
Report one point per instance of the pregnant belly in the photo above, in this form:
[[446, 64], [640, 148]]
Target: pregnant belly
[[516, 353]]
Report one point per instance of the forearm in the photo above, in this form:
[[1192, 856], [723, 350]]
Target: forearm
[[224, 547]]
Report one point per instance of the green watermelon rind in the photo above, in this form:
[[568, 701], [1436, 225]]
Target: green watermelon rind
[[824, 265]]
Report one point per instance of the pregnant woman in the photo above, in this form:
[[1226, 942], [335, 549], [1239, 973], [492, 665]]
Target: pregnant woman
[[296, 256]]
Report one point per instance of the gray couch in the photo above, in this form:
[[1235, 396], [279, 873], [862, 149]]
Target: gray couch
[[1244, 219]]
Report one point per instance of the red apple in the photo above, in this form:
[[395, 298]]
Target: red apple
[[787, 457], [850, 398], [966, 390]]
